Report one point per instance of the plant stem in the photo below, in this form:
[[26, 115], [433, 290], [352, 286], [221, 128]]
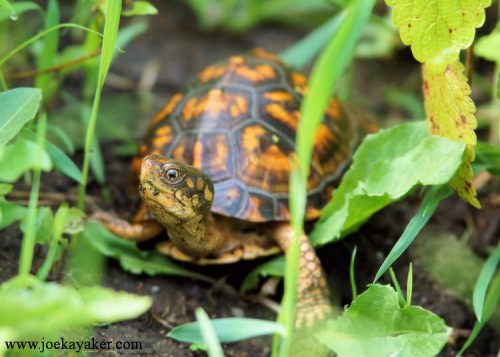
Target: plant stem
[[28, 243]]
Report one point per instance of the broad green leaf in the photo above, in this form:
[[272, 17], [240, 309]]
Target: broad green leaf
[[28, 304], [274, 267], [483, 282], [386, 167], [228, 330], [429, 205], [487, 47], [375, 325], [105, 305], [130, 257], [450, 113], [140, 8], [208, 333], [438, 30], [19, 106], [19, 7], [10, 213], [21, 156]]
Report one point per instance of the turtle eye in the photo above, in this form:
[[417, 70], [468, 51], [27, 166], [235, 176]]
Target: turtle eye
[[172, 175]]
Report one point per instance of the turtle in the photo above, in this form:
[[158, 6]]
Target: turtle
[[214, 170]]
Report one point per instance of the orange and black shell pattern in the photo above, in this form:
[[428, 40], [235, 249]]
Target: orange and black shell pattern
[[237, 122]]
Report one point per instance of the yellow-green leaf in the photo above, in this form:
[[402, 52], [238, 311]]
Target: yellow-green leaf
[[450, 113], [438, 29]]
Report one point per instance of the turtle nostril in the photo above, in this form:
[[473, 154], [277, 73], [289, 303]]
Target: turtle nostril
[[141, 188], [156, 192]]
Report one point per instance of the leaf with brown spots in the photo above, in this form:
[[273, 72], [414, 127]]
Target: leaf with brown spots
[[438, 30], [450, 113]]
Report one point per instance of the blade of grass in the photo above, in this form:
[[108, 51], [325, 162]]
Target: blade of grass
[[304, 50], [409, 285], [352, 276], [483, 281], [491, 302], [28, 242], [325, 74], [430, 202], [208, 333], [111, 25], [395, 282], [49, 50], [28, 42]]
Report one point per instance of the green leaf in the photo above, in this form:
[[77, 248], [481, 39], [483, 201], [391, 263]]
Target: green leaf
[[62, 136], [5, 188], [28, 303], [19, 106], [19, 7], [435, 31], [47, 82], [208, 333], [21, 156], [386, 167], [274, 267], [60, 160], [140, 8], [43, 225], [130, 257], [492, 302], [228, 330], [429, 204], [483, 282], [375, 325], [300, 53], [487, 158], [487, 47], [10, 213]]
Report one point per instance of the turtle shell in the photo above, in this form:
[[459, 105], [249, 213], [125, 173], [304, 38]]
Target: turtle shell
[[237, 122]]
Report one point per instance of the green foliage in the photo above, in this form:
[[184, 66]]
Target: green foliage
[[208, 333], [386, 167], [483, 282], [429, 204], [60, 160], [491, 303], [130, 257], [304, 50], [21, 156], [487, 158], [487, 46], [437, 32], [111, 24], [324, 76], [241, 15], [10, 213], [140, 8], [274, 267], [228, 330], [28, 304], [19, 7], [19, 106], [375, 325]]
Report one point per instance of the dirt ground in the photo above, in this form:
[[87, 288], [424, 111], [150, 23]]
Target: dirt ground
[[181, 50]]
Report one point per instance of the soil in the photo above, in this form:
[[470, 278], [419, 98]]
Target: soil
[[181, 50]]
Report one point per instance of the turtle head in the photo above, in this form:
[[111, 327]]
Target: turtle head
[[174, 192]]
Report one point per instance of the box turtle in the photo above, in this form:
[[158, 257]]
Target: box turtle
[[214, 170]]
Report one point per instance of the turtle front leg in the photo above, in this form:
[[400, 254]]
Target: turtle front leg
[[313, 295], [137, 231]]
